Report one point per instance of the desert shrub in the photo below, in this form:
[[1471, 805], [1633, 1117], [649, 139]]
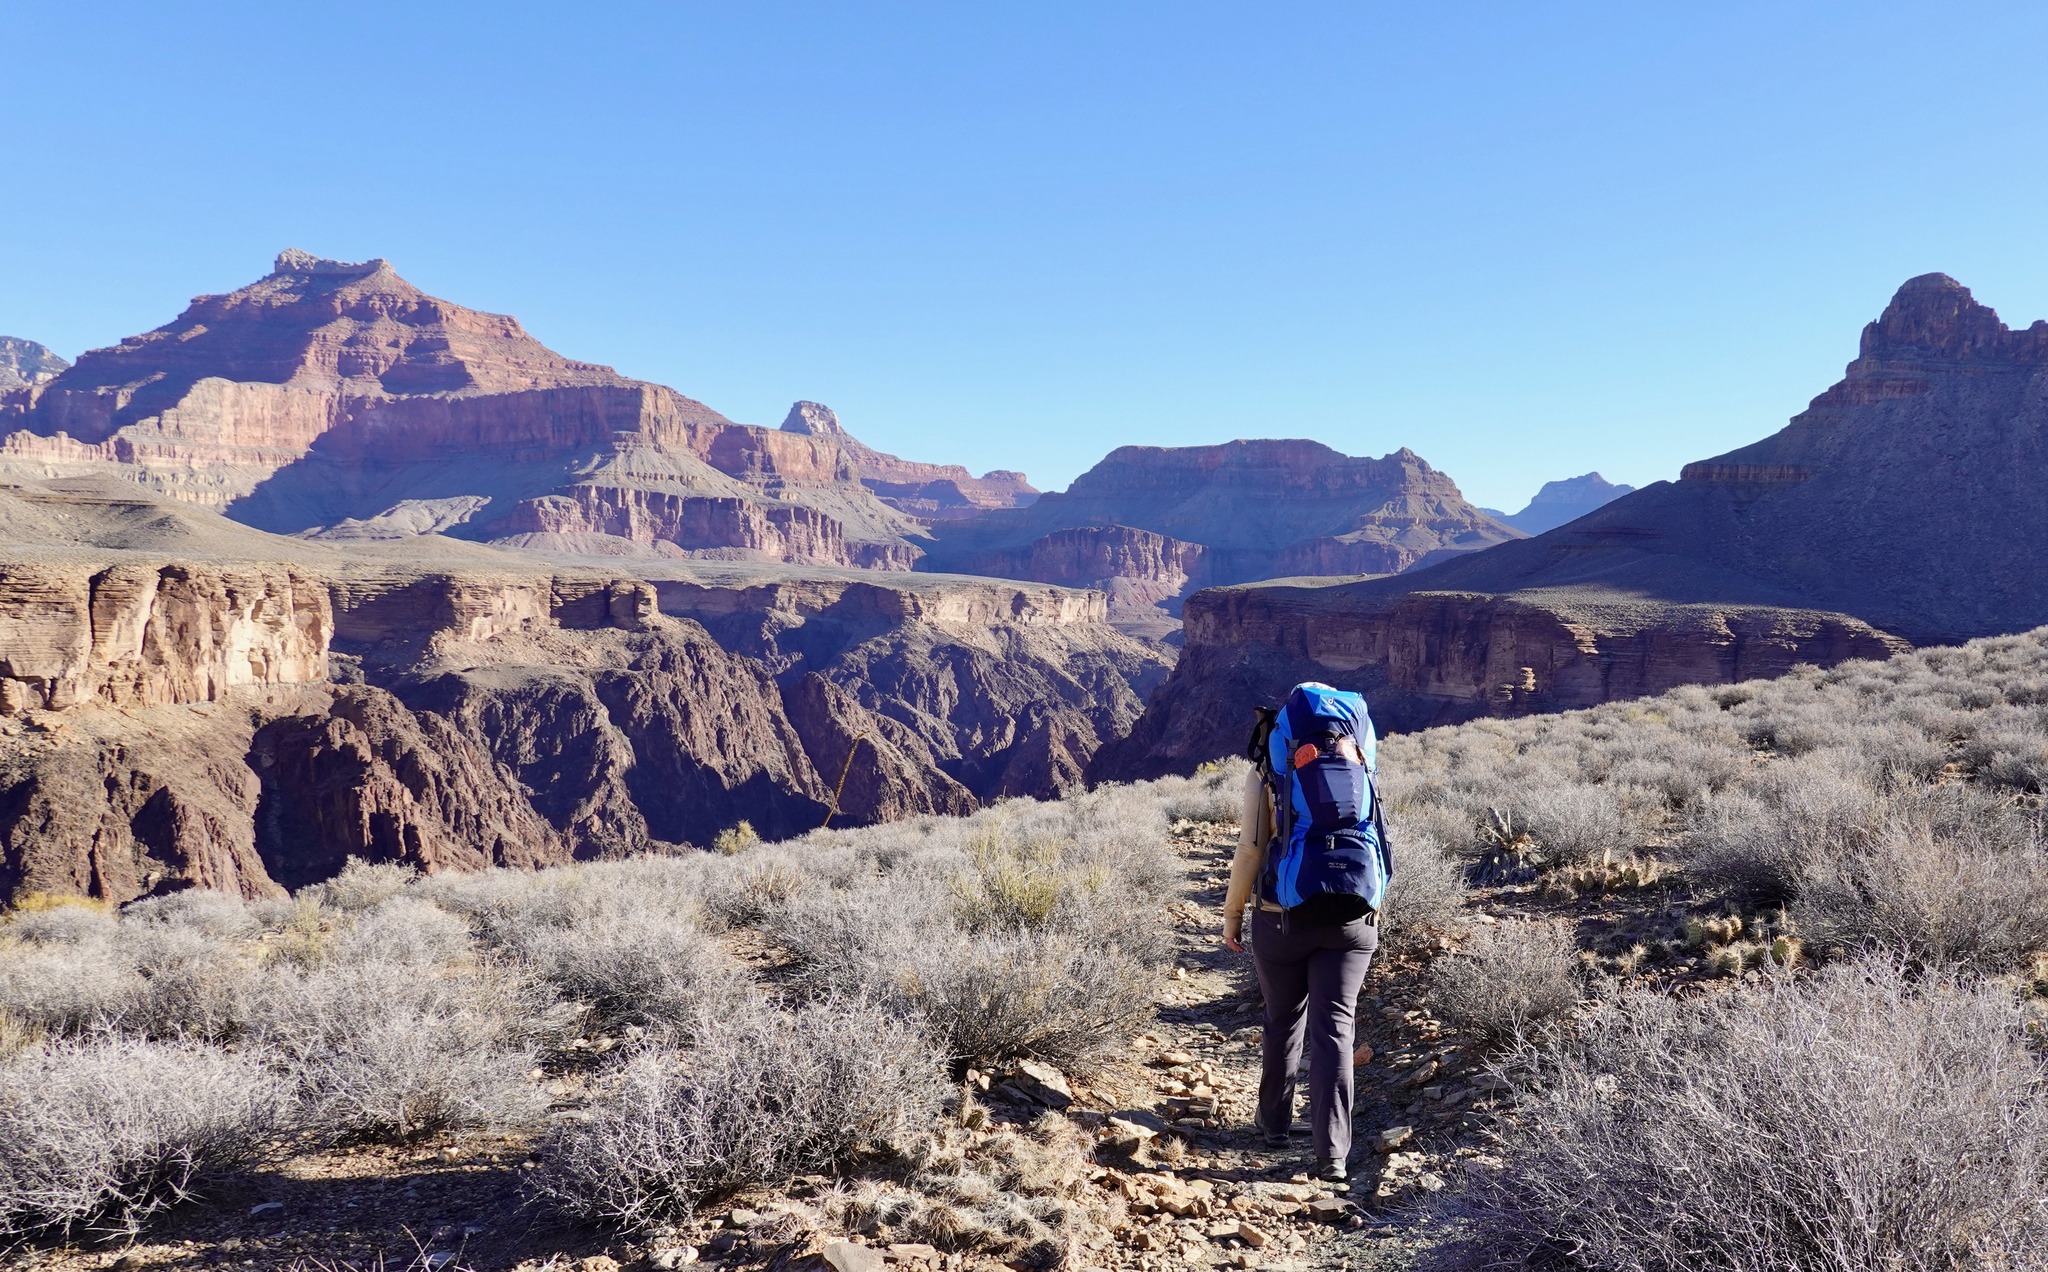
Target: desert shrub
[[2008, 746], [1509, 982], [736, 839], [64, 988], [1025, 995], [764, 883], [1452, 829], [183, 982], [634, 968], [404, 930], [624, 938], [1427, 894], [1951, 877], [101, 1135], [391, 1051], [59, 925], [1578, 822], [1029, 930], [362, 884], [767, 1094], [1856, 1120], [219, 915], [1213, 794], [150, 977], [1759, 842]]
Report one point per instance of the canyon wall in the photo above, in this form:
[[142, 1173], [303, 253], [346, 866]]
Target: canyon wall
[[1903, 505], [332, 394], [1432, 658], [250, 724], [1150, 524]]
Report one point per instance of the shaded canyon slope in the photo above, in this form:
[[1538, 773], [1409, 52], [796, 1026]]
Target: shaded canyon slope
[[1904, 505], [338, 398], [1150, 524], [185, 700]]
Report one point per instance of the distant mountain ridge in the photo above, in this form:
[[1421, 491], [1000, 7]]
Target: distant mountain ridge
[[1150, 523], [932, 491], [24, 362], [1903, 506], [1560, 502], [332, 393]]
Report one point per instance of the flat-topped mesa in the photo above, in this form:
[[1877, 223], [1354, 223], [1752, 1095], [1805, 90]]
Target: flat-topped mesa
[[930, 492], [293, 261]]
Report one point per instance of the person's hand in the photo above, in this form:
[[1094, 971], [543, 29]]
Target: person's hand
[[1231, 943]]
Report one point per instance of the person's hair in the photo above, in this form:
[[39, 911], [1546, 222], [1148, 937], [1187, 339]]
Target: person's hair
[[1262, 728]]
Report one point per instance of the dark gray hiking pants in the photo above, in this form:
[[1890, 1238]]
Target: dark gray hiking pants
[[1310, 978]]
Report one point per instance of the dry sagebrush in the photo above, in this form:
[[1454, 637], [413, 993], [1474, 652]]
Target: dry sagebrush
[[101, 1135], [766, 1094], [1857, 1120], [1509, 983]]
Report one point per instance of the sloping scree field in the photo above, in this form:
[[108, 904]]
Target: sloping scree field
[[1745, 977]]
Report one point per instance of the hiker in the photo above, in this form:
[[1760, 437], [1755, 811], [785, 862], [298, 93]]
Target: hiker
[[1312, 857]]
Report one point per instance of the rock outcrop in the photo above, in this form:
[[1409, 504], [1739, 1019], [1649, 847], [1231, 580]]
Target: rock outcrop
[[24, 362], [1429, 658], [337, 395], [262, 709], [1149, 524], [1902, 506], [1560, 502], [146, 634], [934, 492]]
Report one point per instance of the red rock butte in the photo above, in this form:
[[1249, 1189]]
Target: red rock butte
[[338, 395]]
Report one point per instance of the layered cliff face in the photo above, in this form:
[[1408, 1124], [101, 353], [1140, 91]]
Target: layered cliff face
[[259, 710], [24, 362], [934, 492], [337, 395], [1158, 522], [1902, 505], [1559, 502], [1430, 658]]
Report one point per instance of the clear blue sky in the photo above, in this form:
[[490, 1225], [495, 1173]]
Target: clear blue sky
[[1525, 239]]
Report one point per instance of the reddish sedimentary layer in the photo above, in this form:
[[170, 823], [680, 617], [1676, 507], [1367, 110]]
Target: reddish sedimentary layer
[[1152, 523], [933, 492], [1902, 505], [1433, 658], [331, 393]]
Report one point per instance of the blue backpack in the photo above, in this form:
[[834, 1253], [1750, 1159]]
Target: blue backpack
[[1329, 861]]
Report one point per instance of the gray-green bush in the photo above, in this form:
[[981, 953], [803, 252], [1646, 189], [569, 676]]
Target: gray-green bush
[[1860, 1119], [766, 1094], [102, 1134], [1509, 983]]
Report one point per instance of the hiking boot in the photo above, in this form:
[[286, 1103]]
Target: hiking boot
[[1277, 1140], [1331, 1170]]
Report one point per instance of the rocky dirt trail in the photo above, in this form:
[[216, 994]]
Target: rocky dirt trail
[[1194, 1078]]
